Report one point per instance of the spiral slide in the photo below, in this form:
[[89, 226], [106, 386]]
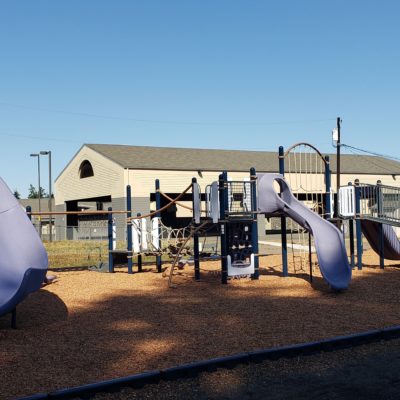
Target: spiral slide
[[329, 243], [391, 244], [23, 260]]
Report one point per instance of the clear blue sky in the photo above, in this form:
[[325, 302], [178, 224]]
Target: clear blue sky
[[212, 74]]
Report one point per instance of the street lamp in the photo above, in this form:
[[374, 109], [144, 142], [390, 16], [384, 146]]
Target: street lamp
[[48, 153], [39, 194]]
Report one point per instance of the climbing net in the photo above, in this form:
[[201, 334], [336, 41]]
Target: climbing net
[[157, 238], [305, 173]]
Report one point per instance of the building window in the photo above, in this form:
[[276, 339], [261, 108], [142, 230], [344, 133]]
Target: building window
[[85, 170]]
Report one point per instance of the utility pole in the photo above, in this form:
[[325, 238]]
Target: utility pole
[[338, 121], [336, 138]]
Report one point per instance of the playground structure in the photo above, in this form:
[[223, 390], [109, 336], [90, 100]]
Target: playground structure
[[230, 206], [23, 262], [375, 210], [230, 209]]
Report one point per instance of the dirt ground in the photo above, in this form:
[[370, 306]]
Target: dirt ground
[[89, 326]]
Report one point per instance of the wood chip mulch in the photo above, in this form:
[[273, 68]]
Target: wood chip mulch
[[89, 326]]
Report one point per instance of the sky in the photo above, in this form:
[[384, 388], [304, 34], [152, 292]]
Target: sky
[[225, 74]]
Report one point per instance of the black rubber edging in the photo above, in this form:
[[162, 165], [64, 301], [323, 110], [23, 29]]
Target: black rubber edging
[[192, 369]]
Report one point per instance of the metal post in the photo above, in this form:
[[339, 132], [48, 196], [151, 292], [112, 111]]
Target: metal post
[[283, 218], [338, 171], [28, 212], [139, 258], [158, 215], [379, 195], [328, 205], [129, 229], [358, 225], [224, 251], [50, 201], [195, 241], [110, 241], [254, 225], [310, 256], [351, 234], [50, 206], [39, 192]]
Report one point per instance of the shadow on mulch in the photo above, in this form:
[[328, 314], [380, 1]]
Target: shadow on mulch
[[137, 329], [40, 310]]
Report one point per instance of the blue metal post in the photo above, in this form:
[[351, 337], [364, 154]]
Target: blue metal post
[[28, 212], [283, 218], [358, 225], [351, 234], [379, 195], [224, 250], [139, 258], [328, 205], [254, 225], [158, 215], [110, 241], [129, 229], [195, 241]]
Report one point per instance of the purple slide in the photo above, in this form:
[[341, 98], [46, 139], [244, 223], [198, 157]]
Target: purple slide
[[329, 243], [391, 244], [23, 261]]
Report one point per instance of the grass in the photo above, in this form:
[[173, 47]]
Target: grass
[[83, 253]]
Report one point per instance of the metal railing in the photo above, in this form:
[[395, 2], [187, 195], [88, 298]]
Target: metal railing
[[380, 203]]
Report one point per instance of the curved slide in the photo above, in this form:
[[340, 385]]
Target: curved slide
[[23, 259], [329, 243], [391, 244]]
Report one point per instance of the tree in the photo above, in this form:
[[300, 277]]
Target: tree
[[34, 194], [17, 194]]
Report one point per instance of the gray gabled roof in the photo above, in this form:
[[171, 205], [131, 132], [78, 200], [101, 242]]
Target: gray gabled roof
[[186, 159]]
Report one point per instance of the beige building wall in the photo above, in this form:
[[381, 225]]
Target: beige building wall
[[108, 178]]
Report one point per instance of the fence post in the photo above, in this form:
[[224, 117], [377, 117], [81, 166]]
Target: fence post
[[222, 204], [129, 229], [283, 218], [110, 241], [158, 215], [357, 190], [379, 195], [254, 225]]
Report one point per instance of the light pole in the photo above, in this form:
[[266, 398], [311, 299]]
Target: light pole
[[48, 153], [39, 194]]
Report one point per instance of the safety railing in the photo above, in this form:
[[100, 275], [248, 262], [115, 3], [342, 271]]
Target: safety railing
[[380, 203]]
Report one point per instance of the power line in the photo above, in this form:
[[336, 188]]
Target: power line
[[16, 135], [372, 160], [371, 152], [155, 121]]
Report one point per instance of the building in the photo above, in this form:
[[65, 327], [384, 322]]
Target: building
[[97, 176], [42, 222]]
